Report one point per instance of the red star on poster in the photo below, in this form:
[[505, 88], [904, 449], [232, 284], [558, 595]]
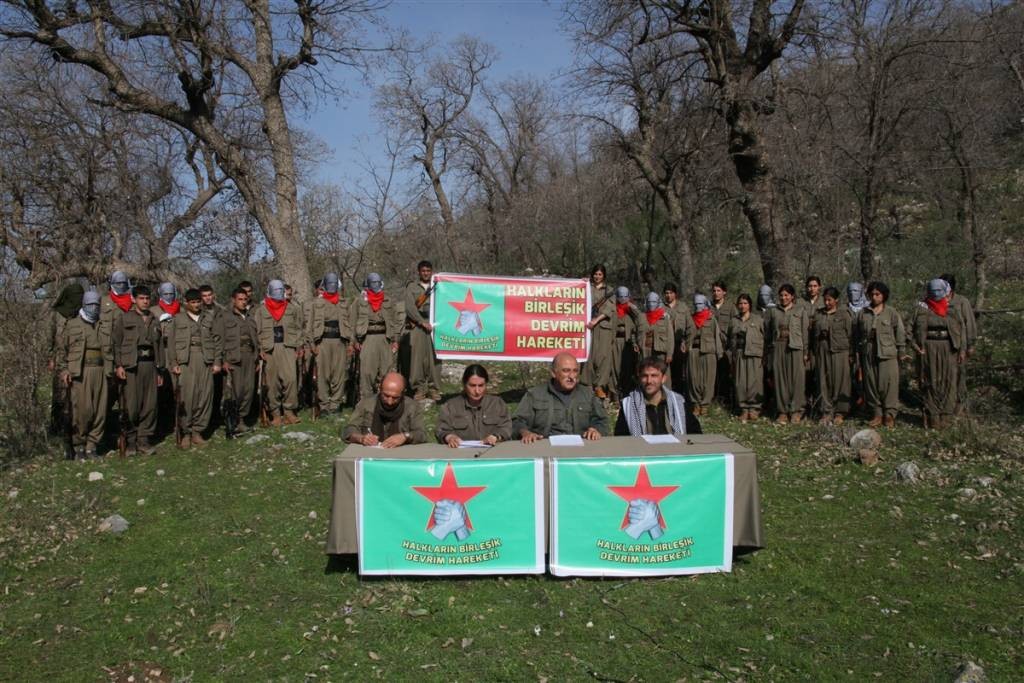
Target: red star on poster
[[448, 490], [643, 490], [468, 304]]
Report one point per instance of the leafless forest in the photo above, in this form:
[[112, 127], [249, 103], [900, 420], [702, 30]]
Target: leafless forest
[[752, 141]]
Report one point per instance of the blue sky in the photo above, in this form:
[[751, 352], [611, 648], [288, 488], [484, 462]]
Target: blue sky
[[526, 33]]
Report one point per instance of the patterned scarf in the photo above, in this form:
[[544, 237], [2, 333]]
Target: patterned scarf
[[635, 408]]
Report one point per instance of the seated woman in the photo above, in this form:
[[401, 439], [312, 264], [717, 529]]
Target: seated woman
[[474, 415]]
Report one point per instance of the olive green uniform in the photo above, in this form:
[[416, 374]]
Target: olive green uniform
[[597, 372], [546, 411], [966, 312], [281, 340], [330, 332], [832, 344], [195, 349], [746, 346], [424, 367], [704, 346], [880, 340], [375, 331], [138, 348], [942, 338], [474, 423], [85, 354], [725, 312], [238, 334], [679, 312], [658, 340], [627, 328], [787, 334], [411, 421]]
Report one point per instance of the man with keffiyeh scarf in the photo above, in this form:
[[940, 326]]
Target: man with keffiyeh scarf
[[653, 408]]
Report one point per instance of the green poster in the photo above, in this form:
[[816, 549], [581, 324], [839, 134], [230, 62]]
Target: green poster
[[450, 517], [469, 317], [641, 516]]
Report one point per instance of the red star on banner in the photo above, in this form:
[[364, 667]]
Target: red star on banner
[[642, 489], [468, 304], [448, 490]]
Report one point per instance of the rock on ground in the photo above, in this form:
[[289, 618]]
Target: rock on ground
[[252, 440], [868, 457], [115, 524], [95, 476], [908, 472], [301, 437], [866, 439], [969, 672]]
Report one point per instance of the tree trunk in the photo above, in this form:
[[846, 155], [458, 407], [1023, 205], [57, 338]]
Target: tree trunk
[[683, 238], [754, 171], [968, 215]]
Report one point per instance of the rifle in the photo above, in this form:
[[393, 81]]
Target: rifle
[[314, 388], [179, 432], [229, 407], [353, 374], [122, 419], [422, 298], [262, 386], [69, 424], [300, 372]]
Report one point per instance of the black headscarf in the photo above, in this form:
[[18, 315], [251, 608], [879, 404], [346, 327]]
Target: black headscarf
[[385, 420], [69, 300]]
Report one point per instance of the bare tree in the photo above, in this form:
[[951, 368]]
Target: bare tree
[[88, 189], [426, 96], [669, 119], [222, 70]]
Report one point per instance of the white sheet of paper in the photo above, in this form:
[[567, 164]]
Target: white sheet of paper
[[659, 438], [474, 444], [566, 440]]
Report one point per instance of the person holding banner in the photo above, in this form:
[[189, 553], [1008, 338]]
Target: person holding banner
[[388, 419], [654, 408], [561, 406], [474, 415], [424, 367], [597, 373]]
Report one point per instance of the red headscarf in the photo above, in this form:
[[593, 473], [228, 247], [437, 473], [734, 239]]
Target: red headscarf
[[654, 316], [701, 317], [622, 309], [171, 308], [375, 299], [939, 307], [333, 298], [123, 301], [275, 308]]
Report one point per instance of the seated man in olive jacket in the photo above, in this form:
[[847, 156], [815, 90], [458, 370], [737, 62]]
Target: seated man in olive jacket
[[388, 419], [561, 406]]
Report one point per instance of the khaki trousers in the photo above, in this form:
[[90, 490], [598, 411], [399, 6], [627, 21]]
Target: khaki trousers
[[140, 401], [375, 360], [282, 380], [424, 368], [89, 395], [332, 370], [196, 395]]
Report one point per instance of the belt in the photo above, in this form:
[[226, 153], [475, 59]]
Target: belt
[[93, 362], [247, 347], [145, 353], [278, 334], [94, 354], [369, 332], [937, 334], [620, 335], [331, 334]]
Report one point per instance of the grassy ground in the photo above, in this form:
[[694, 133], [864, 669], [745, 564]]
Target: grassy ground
[[222, 575]]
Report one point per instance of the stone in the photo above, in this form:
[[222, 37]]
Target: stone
[[312, 514], [868, 457], [12, 494], [969, 672], [255, 439], [908, 472], [115, 524], [986, 482], [967, 493], [159, 473], [95, 476], [866, 439], [301, 437]]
